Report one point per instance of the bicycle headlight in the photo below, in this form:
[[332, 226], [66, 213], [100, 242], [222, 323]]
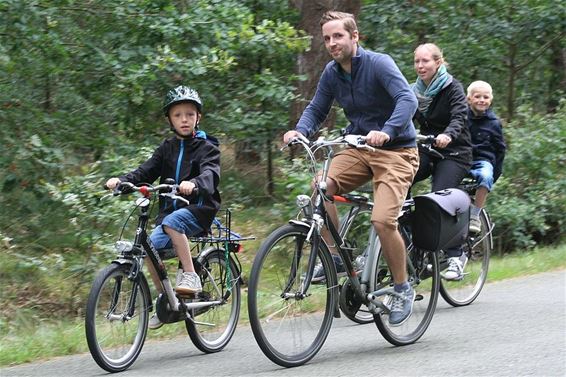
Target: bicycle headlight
[[123, 246], [303, 201]]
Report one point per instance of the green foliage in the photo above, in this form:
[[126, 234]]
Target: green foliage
[[528, 203]]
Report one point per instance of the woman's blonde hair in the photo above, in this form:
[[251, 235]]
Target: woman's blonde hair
[[436, 52]]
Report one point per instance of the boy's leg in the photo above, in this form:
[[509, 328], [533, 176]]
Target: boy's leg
[[178, 225]]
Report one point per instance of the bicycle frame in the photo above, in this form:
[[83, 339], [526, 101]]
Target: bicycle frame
[[318, 218]]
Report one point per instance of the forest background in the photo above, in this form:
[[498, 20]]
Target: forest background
[[82, 84]]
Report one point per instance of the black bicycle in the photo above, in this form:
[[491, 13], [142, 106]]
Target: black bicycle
[[290, 316], [477, 247], [120, 302]]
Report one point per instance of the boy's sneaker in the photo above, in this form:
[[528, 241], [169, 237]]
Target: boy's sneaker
[[401, 306], [475, 224], [318, 273], [154, 322], [456, 265], [189, 284]]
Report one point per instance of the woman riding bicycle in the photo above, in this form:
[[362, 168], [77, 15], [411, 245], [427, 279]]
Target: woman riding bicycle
[[192, 159], [442, 112]]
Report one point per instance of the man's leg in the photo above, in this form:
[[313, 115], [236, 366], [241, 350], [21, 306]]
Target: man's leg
[[393, 248]]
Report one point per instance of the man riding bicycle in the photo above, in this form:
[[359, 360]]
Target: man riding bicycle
[[379, 103]]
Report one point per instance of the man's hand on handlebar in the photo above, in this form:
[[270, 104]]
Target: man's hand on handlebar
[[290, 135], [377, 138]]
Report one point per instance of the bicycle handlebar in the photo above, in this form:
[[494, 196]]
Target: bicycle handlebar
[[163, 189], [356, 141], [426, 142]]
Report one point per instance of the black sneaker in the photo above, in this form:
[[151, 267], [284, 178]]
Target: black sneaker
[[401, 307], [318, 273]]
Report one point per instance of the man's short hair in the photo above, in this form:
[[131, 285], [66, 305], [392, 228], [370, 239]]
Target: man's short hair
[[346, 18]]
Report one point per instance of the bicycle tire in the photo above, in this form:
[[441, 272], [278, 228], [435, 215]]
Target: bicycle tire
[[426, 296], [478, 249], [115, 339], [212, 328], [290, 330]]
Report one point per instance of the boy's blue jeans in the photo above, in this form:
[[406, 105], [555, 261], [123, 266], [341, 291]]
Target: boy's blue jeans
[[181, 220], [482, 171]]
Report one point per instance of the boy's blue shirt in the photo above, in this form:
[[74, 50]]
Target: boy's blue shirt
[[376, 97]]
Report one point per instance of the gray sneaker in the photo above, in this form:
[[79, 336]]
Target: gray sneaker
[[456, 265], [190, 284], [318, 272], [401, 307], [154, 322], [475, 225]]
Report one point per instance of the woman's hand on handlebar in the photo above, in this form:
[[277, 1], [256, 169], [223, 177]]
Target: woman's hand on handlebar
[[186, 187], [442, 141], [377, 138]]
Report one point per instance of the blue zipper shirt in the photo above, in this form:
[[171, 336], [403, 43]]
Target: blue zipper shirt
[[376, 96]]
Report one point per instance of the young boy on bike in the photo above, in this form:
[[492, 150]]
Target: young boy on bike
[[488, 146], [192, 159], [379, 104]]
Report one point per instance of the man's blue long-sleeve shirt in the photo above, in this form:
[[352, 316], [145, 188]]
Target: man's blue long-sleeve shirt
[[375, 97]]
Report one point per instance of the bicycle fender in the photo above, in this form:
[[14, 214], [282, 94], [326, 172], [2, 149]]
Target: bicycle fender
[[143, 280], [211, 249], [300, 223]]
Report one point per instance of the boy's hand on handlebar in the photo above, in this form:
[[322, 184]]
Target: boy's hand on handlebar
[[442, 140], [186, 187], [377, 138], [112, 183]]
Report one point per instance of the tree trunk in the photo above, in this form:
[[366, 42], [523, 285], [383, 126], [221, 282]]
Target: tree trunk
[[311, 63]]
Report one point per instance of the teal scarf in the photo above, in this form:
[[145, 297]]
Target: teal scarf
[[425, 94]]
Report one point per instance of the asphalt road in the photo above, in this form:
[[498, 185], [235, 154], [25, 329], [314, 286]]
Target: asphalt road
[[515, 328]]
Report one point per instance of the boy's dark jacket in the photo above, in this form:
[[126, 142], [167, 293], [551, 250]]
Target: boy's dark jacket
[[195, 159], [447, 114], [487, 140]]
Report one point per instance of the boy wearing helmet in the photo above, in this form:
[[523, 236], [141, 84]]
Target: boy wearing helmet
[[192, 159]]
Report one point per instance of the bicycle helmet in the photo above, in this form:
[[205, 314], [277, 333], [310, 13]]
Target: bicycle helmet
[[181, 94]]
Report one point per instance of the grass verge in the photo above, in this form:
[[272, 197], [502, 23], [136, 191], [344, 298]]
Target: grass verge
[[33, 341]]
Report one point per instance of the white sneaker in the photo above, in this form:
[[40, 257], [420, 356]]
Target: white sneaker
[[190, 284], [475, 225], [456, 265], [154, 322]]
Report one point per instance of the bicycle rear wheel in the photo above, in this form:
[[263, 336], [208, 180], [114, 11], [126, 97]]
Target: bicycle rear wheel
[[478, 249], [425, 277], [115, 335], [212, 327], [290, 329]]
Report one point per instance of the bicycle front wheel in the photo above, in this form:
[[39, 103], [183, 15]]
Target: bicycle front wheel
[[211, 328], [116, 317], [425, 277], [289, 328], [478, 250]]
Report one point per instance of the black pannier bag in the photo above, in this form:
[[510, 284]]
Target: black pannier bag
[[441, 219]]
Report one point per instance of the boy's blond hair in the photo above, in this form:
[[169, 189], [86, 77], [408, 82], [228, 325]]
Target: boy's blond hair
[[476, 85]]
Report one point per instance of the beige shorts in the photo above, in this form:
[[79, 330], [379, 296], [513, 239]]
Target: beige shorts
[[391, 171]]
